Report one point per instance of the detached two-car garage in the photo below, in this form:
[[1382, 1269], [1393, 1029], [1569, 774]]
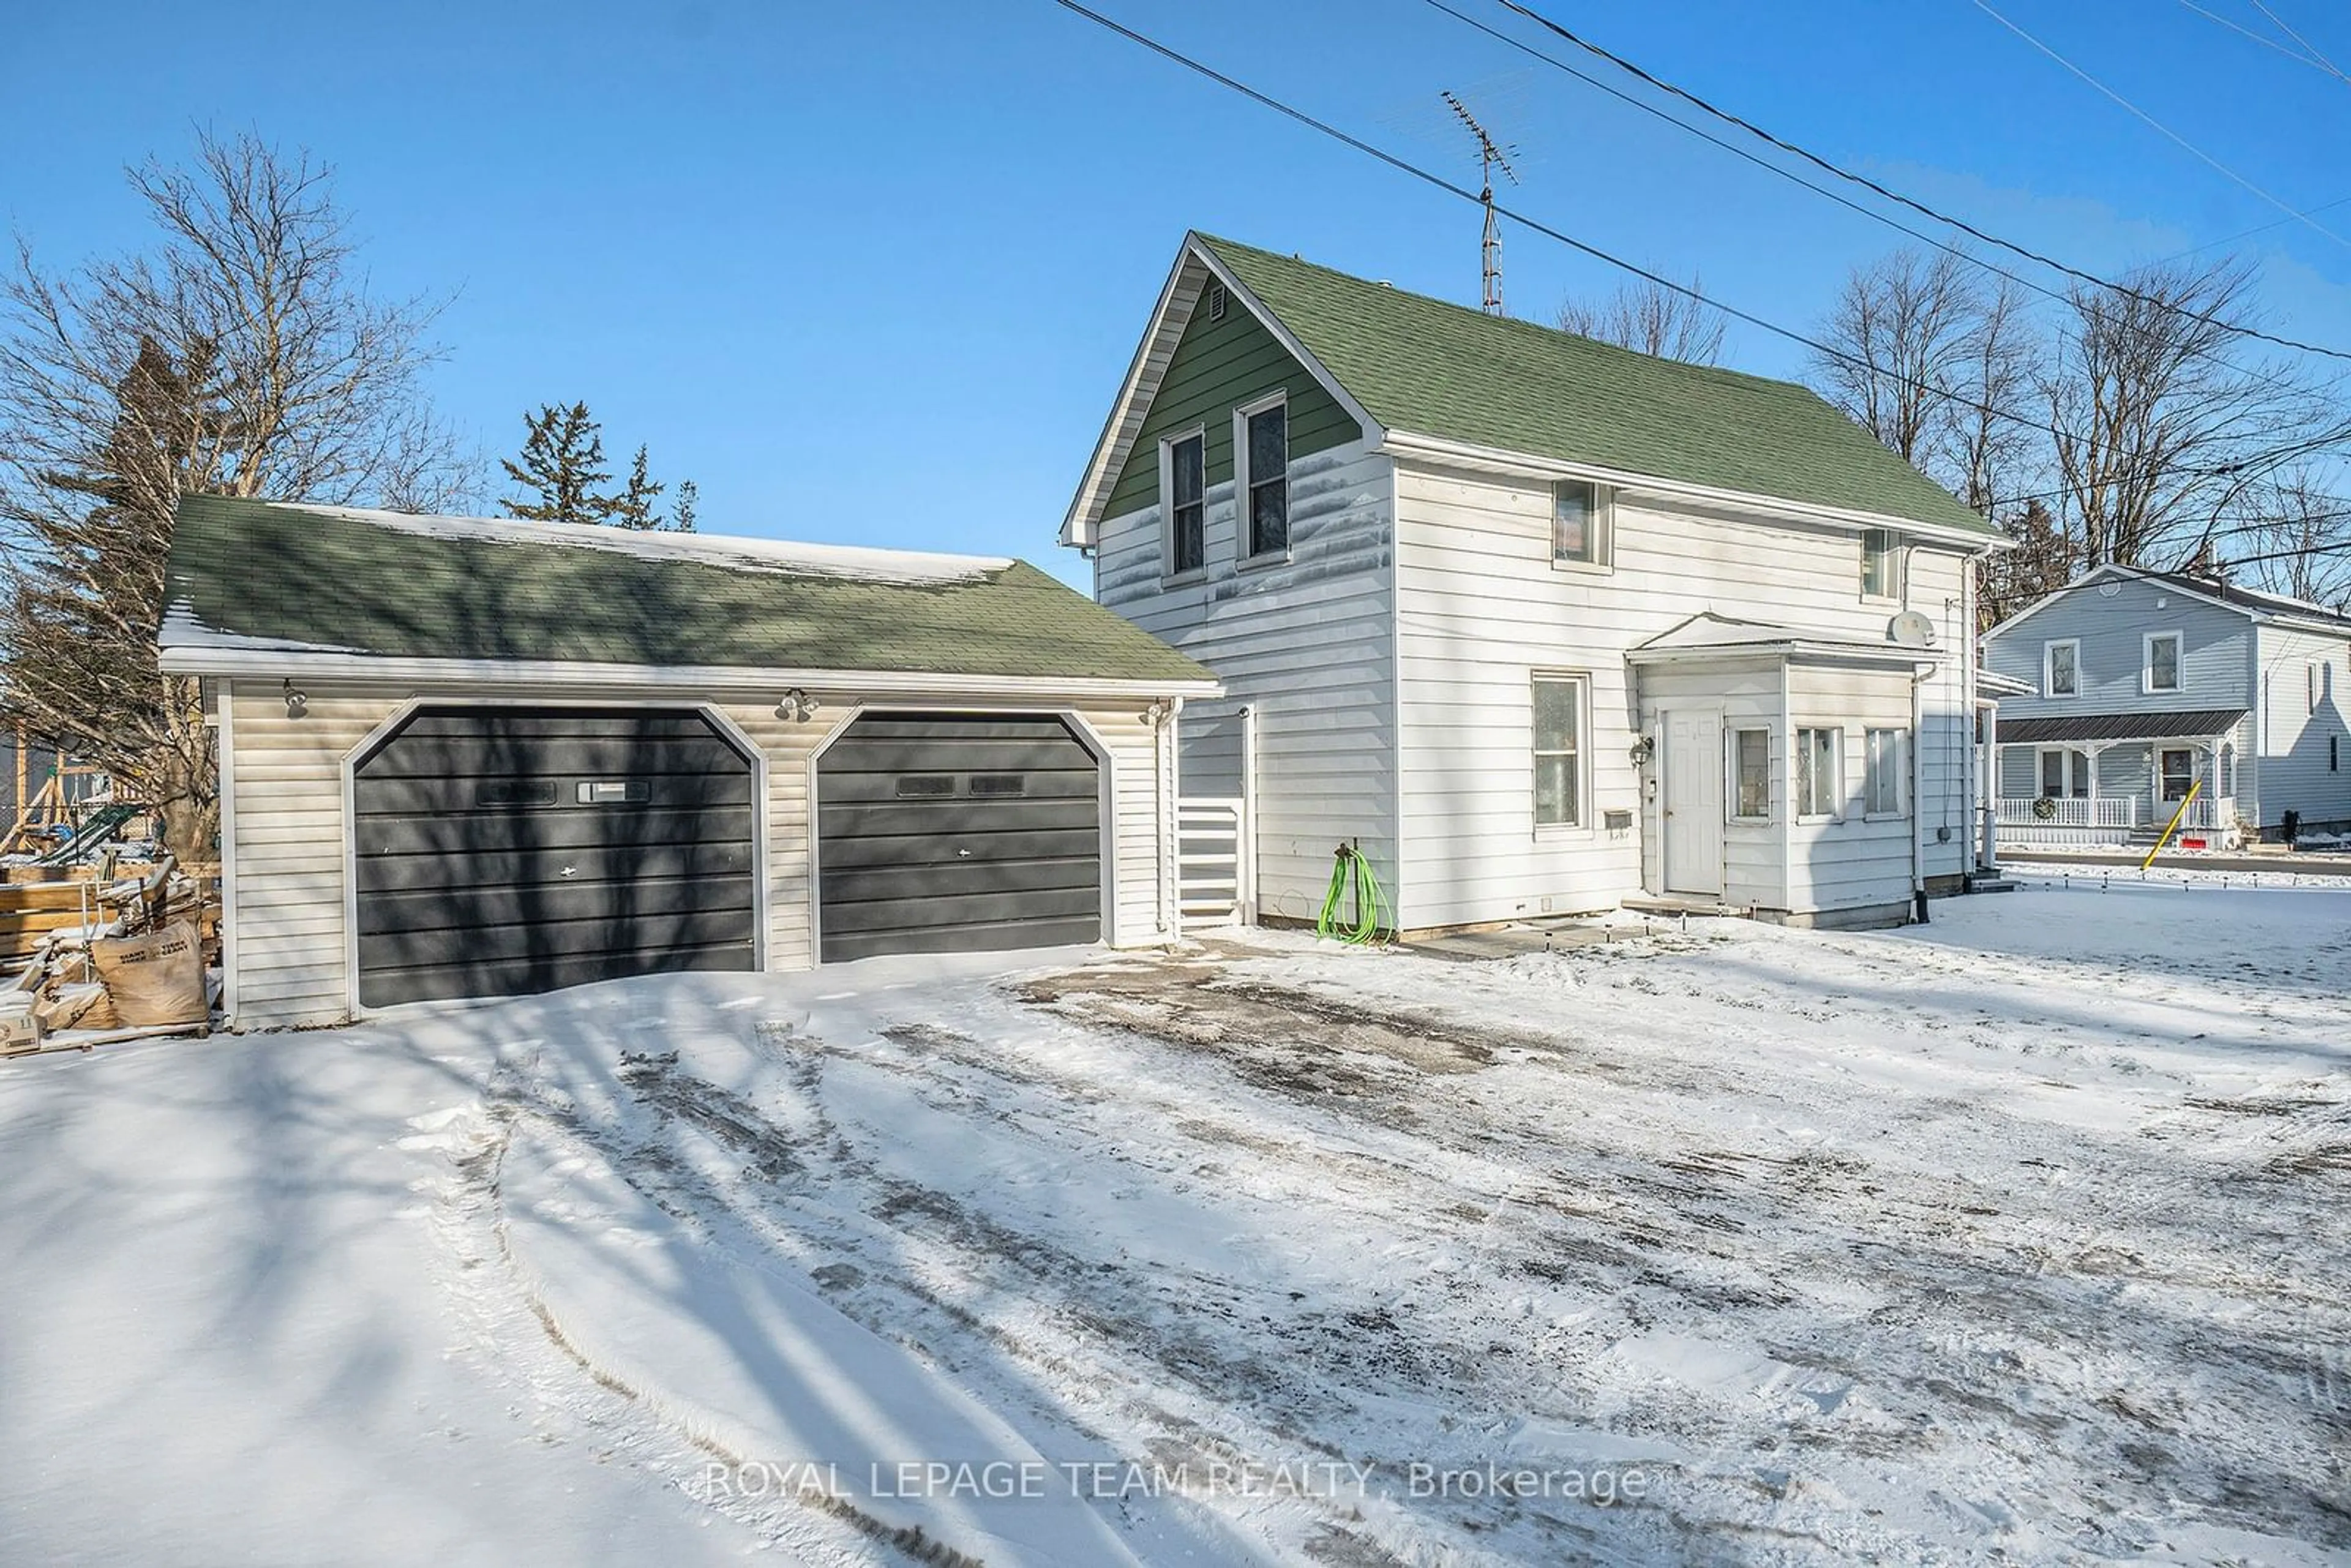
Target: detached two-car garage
[[473, 757]]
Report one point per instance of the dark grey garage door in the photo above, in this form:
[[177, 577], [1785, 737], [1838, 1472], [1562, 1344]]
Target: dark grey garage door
[[942, 832], [509, 850]]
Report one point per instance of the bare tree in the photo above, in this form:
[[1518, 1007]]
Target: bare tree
[[1904, 333], [2042, 560], [2298, 541], [1983, 451], [2162, 433], [1650, 318], [242, 354]]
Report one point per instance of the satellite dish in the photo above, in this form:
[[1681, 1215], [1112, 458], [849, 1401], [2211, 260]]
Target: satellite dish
[[1911, 629]]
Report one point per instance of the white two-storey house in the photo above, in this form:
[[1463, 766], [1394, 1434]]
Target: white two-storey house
[[1541, 624], [2159, 702]]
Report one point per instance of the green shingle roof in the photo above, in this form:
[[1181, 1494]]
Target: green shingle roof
[[259, 574], [1428, 367]]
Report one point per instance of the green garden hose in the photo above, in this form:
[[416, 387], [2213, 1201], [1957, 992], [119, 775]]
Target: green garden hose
[[1371, 904]]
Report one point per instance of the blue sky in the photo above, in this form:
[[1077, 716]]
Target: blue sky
[[871, 273]]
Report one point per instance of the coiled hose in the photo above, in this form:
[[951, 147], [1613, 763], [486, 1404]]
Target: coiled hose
[[1371, 904]]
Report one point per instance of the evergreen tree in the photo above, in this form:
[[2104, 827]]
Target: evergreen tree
[[563, 473], [634, 507], [562, 466]]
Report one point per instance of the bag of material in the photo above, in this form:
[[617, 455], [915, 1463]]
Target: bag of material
[[155, 978]]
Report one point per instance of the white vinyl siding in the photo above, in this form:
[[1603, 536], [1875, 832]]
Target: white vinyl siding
[[2301, 763], [1478, 609], [1308, 643]]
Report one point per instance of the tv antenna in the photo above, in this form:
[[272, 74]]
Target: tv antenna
[[1491, 157]]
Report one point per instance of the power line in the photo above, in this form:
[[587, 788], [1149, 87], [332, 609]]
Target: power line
[[2265, 41], [2194, 150], [1958, 251], [1439, 182], [2279, 24], [1865, 182]]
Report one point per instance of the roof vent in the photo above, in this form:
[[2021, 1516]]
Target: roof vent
[[1216, 302]]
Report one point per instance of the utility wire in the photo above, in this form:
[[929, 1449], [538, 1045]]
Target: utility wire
[[1439, 182], [2265, 41], [2279, 24], [1958, 251], [2194, 150], [1961, 224]]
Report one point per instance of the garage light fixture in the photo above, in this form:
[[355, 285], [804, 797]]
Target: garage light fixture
[[798, 707], [297, 702]]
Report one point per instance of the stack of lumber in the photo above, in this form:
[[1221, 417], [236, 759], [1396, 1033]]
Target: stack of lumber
[[62, 934]]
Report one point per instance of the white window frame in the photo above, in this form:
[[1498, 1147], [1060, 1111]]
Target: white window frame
[[1579, 681], [1798, 753], [2049, 666], [1884, 757], [2066, 771], [1168, 574], [1731, 738], [1245, 482], [1898, 566], [2146, 665], [2313, 679], [1602, 523]]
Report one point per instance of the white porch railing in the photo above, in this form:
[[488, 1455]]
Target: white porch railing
[[2109, 819], [1215, 881], [2109, 812]]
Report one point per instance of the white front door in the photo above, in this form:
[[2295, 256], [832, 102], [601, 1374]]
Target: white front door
[[1693, 809]]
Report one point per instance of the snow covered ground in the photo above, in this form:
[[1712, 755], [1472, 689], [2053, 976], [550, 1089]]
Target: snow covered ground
[[2020, 1235]]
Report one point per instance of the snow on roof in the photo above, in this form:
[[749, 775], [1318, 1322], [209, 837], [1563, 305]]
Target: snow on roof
[[734, 551]]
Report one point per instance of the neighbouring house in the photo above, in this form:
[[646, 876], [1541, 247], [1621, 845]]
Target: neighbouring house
[[463, 757], [1541, 624], [2141, 685]]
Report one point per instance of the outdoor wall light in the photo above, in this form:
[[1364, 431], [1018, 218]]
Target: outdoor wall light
[[297, 702], [796, 707], [1643, 749]]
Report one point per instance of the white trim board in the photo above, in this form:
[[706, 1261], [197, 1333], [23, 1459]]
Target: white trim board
[[680, 680]]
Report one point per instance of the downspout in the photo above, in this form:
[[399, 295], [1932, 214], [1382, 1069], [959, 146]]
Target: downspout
[[1919, 676], [1171, 846]]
